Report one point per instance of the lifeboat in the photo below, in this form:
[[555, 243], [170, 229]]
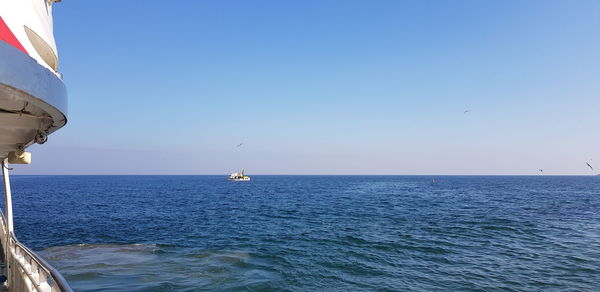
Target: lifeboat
[[33, 97]]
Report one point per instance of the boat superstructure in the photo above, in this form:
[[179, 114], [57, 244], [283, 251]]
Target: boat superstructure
[[33, 104]]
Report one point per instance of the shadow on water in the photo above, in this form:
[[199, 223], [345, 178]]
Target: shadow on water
[[149, 267]]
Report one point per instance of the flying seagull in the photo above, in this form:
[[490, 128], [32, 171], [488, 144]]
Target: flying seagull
[[467, 111], [589, 166], [239, 145]]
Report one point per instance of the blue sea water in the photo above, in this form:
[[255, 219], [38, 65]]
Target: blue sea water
[[315, 233]]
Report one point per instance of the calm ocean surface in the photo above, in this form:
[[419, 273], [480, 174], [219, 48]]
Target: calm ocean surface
[[315, 233]]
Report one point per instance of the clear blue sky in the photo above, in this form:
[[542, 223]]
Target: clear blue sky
[[327, 87]]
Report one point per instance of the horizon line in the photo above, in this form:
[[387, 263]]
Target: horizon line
[[330, 174]]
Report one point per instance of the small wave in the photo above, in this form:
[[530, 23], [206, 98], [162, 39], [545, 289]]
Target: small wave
[[85, 276], [500, 228], [224, 256], [357, 240]]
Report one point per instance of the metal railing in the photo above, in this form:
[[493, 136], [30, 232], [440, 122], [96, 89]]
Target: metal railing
[[25, 270]]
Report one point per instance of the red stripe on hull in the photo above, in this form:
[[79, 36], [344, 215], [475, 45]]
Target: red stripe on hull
[[7, 36]]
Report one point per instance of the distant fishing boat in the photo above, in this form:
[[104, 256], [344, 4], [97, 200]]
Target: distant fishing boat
[[239, 176]]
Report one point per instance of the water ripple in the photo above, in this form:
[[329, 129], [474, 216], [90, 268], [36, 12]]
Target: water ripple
[[315, 233]]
